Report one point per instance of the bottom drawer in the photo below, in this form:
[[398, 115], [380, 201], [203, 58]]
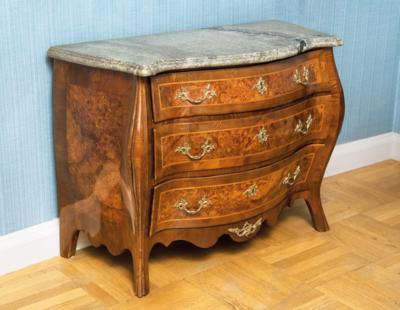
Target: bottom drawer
[[209, 201]]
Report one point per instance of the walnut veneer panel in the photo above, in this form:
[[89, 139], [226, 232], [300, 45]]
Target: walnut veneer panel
[[235, 142], [238, 89], [202, 202], [91, 109]]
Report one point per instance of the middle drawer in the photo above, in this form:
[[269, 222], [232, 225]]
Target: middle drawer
[[183, 147]]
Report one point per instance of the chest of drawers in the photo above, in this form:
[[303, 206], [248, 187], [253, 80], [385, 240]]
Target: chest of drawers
[[191, 135]]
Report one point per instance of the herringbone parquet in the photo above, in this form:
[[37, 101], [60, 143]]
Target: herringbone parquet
[[356, 265]]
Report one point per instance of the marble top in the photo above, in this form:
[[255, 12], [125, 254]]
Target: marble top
[[212, 47]]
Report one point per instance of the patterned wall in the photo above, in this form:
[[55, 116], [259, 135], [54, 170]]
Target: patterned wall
[[367, 64], [396, 117]]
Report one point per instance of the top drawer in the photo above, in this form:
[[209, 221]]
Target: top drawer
[[220, 91]]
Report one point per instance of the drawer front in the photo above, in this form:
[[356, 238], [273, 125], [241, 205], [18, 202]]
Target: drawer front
[[235, 142], [203, 202], [243, 89]]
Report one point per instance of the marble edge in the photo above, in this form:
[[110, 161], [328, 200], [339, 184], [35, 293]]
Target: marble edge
[[190, 63]]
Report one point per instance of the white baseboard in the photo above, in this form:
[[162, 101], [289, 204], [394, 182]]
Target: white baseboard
[[32, 245], [37, 243], [396, 146], [364, 152]]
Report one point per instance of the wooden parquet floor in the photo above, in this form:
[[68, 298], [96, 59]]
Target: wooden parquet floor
[[356, 265]]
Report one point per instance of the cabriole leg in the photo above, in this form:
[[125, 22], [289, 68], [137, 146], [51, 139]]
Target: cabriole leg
[[313, 201], [68, 235], [140, 272]]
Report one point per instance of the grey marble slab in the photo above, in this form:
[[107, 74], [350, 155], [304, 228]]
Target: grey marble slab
[[212, 47]]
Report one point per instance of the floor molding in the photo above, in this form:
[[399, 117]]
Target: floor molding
[[32, 245], [364, 152], [396, 146], [37, 243]]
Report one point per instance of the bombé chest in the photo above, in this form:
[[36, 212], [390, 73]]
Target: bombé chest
[[191, 135]]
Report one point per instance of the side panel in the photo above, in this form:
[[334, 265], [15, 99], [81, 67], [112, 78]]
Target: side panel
[[91, 121]]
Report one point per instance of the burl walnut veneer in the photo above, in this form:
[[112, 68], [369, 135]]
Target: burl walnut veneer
[[191, 135]]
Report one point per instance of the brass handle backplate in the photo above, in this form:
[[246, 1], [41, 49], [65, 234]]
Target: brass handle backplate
[[185, 150], [208, 93], [304, 127], [261, 86], [290, 178], [247, 229], [251, 191], [201, 204], [262, 135], [303, 77]]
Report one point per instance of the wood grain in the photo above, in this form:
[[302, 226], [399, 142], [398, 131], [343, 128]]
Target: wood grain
[[91, 117], [228, 201], [235, 88], [235, 140], [287, 267]]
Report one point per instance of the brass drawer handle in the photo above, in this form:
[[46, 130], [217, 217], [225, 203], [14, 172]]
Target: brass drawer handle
[[202, 203], [185, 150], [251, 191], [247, 229], [290, 178], [304, 127], [208, 93], [262, 135], [301, 78], [261, 86]]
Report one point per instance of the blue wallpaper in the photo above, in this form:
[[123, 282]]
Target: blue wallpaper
[[396, 117], [368, 65]]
